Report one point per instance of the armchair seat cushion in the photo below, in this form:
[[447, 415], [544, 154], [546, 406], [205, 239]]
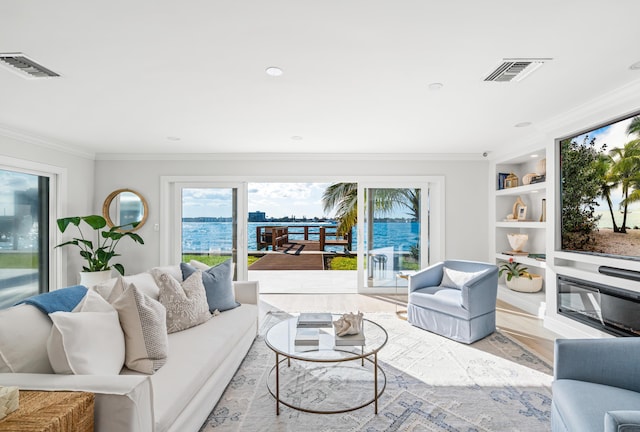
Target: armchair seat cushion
[[441, 299], [581, 406]]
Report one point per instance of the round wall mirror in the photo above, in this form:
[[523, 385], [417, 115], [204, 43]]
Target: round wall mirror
[[123, 208]]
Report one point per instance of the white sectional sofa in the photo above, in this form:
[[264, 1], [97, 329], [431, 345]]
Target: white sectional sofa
[[201, 362]]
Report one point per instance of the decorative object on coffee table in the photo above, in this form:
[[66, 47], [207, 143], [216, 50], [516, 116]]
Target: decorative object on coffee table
[[348, 324]]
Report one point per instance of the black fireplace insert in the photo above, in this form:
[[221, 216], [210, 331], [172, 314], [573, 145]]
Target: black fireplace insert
[[610, 309]]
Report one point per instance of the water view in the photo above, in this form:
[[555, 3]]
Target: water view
[[213, 237]]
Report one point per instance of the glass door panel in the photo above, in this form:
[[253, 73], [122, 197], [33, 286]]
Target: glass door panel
[[395, 230], [24, 236], [209, 224]]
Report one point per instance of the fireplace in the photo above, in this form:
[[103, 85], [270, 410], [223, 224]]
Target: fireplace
[[612, 310]]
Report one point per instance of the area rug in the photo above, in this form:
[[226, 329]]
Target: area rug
[[432, 384]]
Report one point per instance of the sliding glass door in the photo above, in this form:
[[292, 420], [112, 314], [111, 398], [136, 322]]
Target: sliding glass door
[[395, 234], [24, 236], [209, 220]]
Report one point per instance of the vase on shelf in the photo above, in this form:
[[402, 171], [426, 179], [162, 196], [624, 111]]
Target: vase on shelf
[[524, 284], [517, 241]]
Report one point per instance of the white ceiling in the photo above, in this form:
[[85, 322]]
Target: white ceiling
[[356, 72]]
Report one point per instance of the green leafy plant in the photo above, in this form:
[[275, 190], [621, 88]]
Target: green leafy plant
[[99, 254], [513, 269]]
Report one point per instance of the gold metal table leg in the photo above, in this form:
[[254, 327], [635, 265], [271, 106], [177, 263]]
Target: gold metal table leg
[[277, 384], [375, 381]]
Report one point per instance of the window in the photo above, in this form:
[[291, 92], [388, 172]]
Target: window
[[24, 235]]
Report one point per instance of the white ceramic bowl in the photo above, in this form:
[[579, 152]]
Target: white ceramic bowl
[[517, 241]]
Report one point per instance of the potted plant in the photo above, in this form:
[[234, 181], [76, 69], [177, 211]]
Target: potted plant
[[518, 278], [98, 248]]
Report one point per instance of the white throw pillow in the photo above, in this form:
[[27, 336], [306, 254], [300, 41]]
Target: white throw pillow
[[24, 331], [144, 324], [186, 302], [456, 279], [87, 342]]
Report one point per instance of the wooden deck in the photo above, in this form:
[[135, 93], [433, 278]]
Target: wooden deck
[[299, 255]]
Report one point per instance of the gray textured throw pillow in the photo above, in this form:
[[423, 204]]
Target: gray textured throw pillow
[[186, 302], [218, 284]]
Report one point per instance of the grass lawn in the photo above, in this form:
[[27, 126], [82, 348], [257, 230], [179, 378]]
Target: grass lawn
[[18, 260], [212, 260]]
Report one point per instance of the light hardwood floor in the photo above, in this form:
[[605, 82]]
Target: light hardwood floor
[[518, 324]]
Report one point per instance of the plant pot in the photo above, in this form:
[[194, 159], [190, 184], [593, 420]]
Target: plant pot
[[524, 284], [90, 279]]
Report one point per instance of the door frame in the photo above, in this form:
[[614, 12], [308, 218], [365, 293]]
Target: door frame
[[435, 184]]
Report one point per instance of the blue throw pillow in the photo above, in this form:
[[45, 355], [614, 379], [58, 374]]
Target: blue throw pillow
[[218, 284]]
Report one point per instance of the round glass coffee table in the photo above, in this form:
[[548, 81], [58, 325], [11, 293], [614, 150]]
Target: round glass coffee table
[[325, 379]]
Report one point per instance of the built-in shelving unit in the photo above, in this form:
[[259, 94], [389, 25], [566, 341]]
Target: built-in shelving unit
[[505, 215]]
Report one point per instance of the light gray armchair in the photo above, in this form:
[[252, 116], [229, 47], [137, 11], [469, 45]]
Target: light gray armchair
[[455, 298], [596, 385]]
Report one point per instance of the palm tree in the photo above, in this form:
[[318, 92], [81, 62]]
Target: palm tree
[[344, 198], [602, 168], [626, 171], [634, 126]]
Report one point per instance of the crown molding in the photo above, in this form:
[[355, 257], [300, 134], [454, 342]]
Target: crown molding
[[44, 142], [290, 156]]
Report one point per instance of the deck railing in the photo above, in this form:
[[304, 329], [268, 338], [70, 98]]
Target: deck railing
[[277, 236]]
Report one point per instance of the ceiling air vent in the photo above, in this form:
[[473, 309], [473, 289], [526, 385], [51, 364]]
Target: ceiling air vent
[[515, 69], [24, 66]]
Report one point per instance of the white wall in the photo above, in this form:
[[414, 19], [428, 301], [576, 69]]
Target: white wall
[[76, 197], [466, 194]]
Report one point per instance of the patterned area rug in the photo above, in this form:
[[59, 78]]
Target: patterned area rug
[[433, 384]]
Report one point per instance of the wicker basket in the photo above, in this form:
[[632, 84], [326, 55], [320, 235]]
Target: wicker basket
[[51, 412], [9, 400]]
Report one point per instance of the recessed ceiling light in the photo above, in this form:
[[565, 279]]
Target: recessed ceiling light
[[635, 66], [435, 86], [523, 124], [173, 138], [273, 71], [533, 155], [296, 138]]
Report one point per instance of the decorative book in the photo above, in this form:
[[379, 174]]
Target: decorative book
[[307, 337], [350, 340], [315, 320]]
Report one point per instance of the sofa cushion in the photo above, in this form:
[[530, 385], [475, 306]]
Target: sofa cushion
[[143, 281], [202, 348], [443, 300], [87, 342], [455, 278], [185, 302], [582, 405], [143, 321], [24, 331], [218, 285]]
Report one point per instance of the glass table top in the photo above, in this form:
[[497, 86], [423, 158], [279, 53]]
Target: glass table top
[[281, 339]]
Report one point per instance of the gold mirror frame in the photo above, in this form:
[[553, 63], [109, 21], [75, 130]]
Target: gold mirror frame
[[112, 196]]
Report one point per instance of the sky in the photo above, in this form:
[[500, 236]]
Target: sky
[[10, 182], [275, 199]]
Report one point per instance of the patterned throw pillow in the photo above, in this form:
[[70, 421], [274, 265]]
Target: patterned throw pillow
[[143, 321], [186, 302]]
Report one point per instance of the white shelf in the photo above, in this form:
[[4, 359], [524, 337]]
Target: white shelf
[[520, 190], [525, 224], [534, 303], [531, 262]]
